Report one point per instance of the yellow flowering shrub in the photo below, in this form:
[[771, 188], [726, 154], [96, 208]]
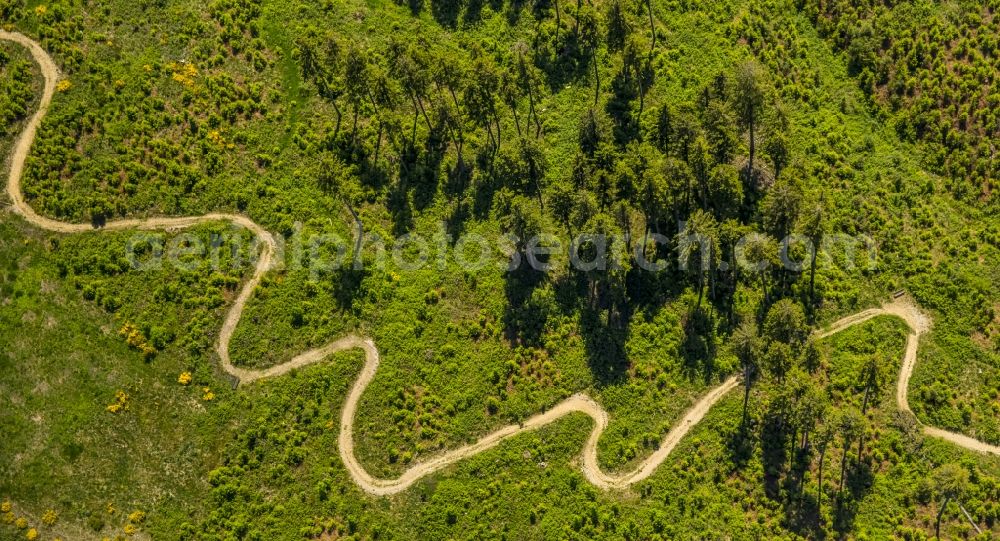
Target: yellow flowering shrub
[[184, 378], [120, 404], [64, 85], [136, 340], [41, 10], [130, 529], [183, 73], [31, 535], [209, 395], [5, 507], [21, 523], [49, 517], [8, 517], [137, 517]]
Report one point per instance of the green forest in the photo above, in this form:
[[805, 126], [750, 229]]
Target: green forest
[[792, 165]]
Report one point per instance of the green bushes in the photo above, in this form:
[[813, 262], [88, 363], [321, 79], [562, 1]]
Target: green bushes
[[923, 67], [17, 89]]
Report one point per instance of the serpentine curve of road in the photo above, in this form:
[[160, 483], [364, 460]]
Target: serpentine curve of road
[[578, 403]]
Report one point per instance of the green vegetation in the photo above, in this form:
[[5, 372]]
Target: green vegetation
[[928, 69], [448, 118]]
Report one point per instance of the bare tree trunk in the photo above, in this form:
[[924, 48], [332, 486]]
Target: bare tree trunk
[[354, 126], [597, 77], [819, 488], [812, 284], [424, 112], [843, 466], [534, 114], [416, 115], [517, 122], [336, 127], [937, 526], [746, 394], [969, 518], [576, 21], [360, 238], [558, 25], [378, 142]]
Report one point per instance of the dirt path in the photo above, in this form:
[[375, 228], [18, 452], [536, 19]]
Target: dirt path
[[919, 324], [579, 403]]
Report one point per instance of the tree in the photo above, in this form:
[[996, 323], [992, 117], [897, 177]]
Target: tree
[[950, 482], [781, 205], [749, 101], [411, 67], [561, 201], [730, 233], [824, 437], [653, 194], [780, 210], [780, 359], [747, 345], [760, 252], [534, 165], [725, 191], [618, 26], [449, 74], [813, 225], [873, 377], [786, 323], [593, 132], [480, 96], [530, 79], [511, 93], [777, 149], [812, 406], [720, 131], [697, 247], [664, 133], [604, 274], [700, 159], [679, 179], [852, 426], [520, 217], [357, 78]]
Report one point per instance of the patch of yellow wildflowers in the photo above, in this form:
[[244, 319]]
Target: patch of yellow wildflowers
[[183, 72], [135, 339], [120, 404]]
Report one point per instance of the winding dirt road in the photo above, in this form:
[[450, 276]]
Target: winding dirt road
[[919, 324], [579, 403]]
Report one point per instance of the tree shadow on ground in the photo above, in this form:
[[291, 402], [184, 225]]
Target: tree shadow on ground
[[699, 349], [398, 204], [446, 12], [774, 453], [526, 314], [346, 283], [740, 444]]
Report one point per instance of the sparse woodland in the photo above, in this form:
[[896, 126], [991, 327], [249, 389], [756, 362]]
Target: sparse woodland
[[750, 121]]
